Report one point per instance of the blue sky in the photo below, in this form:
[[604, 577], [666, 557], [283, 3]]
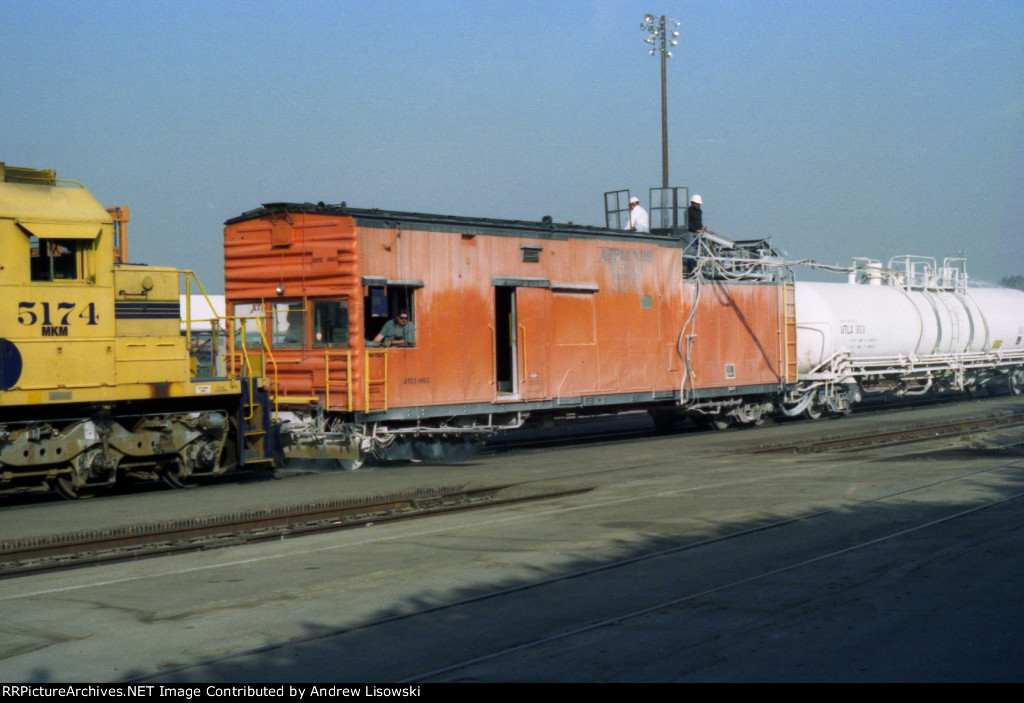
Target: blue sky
[[840, 129]]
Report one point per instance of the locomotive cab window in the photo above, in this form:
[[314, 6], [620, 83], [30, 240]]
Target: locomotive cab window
[[56, 259], [330, 323], [390, 313]]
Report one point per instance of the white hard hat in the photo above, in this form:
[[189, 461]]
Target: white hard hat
[[634, 200], [696, 199]]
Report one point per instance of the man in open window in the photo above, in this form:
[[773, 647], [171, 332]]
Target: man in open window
[[399, 332]]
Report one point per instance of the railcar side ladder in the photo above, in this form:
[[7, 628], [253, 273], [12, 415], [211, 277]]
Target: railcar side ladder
[[371, 383], [789, 331]]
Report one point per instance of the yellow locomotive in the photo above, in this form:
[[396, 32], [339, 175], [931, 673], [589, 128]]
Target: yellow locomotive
[[97, 382]]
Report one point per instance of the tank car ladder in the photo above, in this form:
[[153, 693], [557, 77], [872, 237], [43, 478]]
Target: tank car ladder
[[789, 332]]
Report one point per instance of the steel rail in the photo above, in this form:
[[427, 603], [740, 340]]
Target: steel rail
[[897, 437]]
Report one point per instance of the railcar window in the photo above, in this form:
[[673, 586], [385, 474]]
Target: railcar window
[[288, 323], [54, 259], [330, 323], [255, 314], [383, 303]]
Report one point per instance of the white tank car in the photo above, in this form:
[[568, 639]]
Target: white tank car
[[887, 321], [905, 329]]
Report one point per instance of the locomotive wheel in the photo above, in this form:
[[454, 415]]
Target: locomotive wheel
[[66, 487], [352, 463], [175, 477]]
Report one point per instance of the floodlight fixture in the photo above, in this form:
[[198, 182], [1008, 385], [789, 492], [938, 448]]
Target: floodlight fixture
[[655, 27]]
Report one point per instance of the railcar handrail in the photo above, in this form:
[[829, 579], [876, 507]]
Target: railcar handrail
[[525, 375]]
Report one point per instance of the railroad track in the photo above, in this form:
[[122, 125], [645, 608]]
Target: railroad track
[[924, 433], [114, 544]]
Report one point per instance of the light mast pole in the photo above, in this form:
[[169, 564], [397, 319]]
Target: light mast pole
[[657, 37]]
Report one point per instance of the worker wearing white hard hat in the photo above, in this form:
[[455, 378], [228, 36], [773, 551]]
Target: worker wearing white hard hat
[[694, 216], [638, 219]]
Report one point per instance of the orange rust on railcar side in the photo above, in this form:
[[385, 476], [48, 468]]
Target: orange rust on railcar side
[[594, 315], [736, 328], [595, 327], [306, 256]]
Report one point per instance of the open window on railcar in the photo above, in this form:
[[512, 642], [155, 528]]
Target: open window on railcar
[[385, 302], [57, 259], [330, 323]]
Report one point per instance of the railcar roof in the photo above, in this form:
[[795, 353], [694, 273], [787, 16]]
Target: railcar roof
[[454, 223]]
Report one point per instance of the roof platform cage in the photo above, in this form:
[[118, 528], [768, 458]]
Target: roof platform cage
[[616, 209], [666, 207], [668, 210]]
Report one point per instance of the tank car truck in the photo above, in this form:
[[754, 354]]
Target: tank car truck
[[97, 383], [502, 320]]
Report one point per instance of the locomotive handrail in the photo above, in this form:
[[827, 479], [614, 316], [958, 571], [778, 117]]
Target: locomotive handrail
[[189, 275], [228, 326]]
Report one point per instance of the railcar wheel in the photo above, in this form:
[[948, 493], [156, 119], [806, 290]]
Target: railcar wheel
[[1017, 381], [983, 391], [813, 411], [750, 414], [445, 450], [663, 421], [717, 422]]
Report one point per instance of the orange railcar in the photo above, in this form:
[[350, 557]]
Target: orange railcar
[[511, 319]]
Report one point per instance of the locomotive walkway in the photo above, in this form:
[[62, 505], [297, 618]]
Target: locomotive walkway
[[689, 557]]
